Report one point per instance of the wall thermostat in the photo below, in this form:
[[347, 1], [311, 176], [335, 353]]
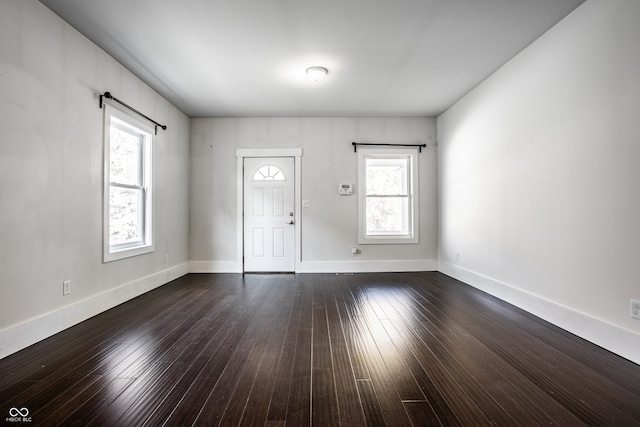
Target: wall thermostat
[[345, 189]]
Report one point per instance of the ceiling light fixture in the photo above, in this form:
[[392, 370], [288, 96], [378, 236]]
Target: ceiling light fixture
[[316, 74]]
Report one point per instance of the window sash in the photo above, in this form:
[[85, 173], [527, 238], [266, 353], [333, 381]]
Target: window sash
[[127, 136], [139, 215], [397, 223], [396, 169]]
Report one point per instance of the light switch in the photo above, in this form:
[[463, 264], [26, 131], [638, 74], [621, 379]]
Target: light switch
[[306, 203]]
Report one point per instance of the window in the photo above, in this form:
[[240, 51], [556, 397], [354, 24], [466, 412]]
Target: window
[[127, 190], [388, 196], [269, 173]]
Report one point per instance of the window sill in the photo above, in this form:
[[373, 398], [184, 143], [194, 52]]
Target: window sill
[[126, 253], [391, 240]]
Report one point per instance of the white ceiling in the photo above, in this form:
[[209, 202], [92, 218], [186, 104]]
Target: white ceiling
[[243, 58]]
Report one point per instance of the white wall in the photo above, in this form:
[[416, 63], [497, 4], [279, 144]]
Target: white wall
[[51, 152], [329, 225], [539, 171]]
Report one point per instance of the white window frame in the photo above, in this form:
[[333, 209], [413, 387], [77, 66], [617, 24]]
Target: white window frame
[[113, 115], [412, 237]]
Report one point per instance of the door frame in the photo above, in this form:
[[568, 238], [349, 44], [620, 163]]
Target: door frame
[[296, 153]]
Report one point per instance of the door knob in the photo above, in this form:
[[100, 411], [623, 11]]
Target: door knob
[[292, 222]]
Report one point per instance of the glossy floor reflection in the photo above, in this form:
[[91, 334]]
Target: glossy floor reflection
[[395, 349]]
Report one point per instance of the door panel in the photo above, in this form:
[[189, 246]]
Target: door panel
[[258, 243], [269, 214], [278, 202], [258, 202], [278, 243]]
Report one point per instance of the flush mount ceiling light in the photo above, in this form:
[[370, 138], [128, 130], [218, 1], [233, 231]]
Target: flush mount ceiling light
[[316, 74]]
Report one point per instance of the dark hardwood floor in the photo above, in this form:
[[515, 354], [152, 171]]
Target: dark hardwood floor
[[394, 349]]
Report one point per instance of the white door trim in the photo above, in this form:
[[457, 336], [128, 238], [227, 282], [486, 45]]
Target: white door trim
[[296, 153]]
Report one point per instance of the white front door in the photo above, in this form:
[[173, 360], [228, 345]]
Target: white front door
[[269, 217]]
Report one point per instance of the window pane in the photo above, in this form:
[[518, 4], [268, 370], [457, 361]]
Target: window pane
[[269, 173], [386, 176], [387, 216], [125, 216], [124, 157]]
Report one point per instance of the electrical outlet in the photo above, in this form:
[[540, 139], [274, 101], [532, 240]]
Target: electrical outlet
[[635, 309], [66, 287]]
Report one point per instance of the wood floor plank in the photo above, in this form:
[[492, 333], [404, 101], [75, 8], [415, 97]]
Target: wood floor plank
[[257, 404], [268, 326], [349, 405], [197, 352], [381, 327], [299, 399], [324, 405], [480, 362], [371, 406], [54, 403], [31, 362], [348, 311], [206, 370], [166, 355], [422, 414], [279, 397], [457, 346], [35, 392], [382, 381], [220, 396], [395, 349], [420, 373], [197, 394], [577, 374], [443, 370], [579, 350], [90, 404]]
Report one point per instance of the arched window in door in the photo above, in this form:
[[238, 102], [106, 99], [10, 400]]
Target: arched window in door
[[269, 173]]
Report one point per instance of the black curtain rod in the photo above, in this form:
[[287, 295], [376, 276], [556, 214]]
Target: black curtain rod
[[420, 146], [109, 96]]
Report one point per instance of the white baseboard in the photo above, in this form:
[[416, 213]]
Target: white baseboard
[[16, 337], [215, 267], [390, 266], [606, 335], [326, 266]]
